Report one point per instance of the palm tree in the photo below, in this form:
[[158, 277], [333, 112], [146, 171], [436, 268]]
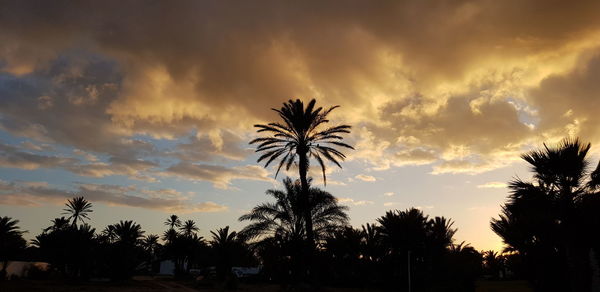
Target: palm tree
[[224, 243], [109, 233], [285, 216], [404, 230], [300, 137], [150, 243], [441, 232], [173, 221], [170, 235], [494, 264], [78, 208], [128, 232], [189, 228], [548, 219], [58, 224], [223, 238], [372, 242], [11, 241]]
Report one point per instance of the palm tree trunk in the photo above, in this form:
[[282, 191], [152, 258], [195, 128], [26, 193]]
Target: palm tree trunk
[[310, 238], [303, 167]]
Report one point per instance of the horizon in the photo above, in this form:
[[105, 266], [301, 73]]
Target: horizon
[[150, 114]]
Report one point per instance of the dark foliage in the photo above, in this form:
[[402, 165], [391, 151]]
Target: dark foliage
[[549, 221]]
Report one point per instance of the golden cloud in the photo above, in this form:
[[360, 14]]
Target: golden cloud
[[459, 85]]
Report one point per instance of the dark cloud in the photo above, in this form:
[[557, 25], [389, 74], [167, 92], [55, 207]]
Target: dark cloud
[[219, 175], [443, 82], [167, 200], [12, 157]]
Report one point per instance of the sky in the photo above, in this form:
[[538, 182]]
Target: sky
[[147, 108]]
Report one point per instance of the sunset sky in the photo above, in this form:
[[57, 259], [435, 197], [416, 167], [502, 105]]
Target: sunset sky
[[146, 108]]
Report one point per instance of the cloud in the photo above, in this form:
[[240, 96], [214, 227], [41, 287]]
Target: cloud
[[354, 202], [458, 86], [389, 194], [36, 147], [389, 204], [492, 185], [364, 177], [166, 200], [220, 176], [11, 156], [88, 156], [210, 147], [132, 168]]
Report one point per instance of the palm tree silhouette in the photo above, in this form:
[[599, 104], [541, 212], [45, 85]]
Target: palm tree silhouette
[[189, 228], [150, 243], [170, 235], [223, 238], [300, 138], [78, 208], [11, 241], [173, 221], [58, 224], [224, 243], [285, 216], [441, 232], [545, 219], [128, 232]]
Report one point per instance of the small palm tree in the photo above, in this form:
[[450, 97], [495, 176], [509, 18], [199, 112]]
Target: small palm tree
[[58, 224], [109, 233], [441, 232], [189, 228], [128, 232], [404, 230], [173, 221], [285, 216], [78, 208], [223, 238], [170, 235], [11, 241], [150, 243], [300, 137], [372, 243], [224, 243]]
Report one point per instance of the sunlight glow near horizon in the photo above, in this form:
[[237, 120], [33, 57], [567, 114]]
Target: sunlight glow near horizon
[[148, 117]]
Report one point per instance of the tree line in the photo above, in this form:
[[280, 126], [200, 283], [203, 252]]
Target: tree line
[[376, 254]]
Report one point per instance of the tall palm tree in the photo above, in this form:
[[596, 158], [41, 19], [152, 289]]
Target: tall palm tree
[[189, 228], [173, 221], [285, 216], [11, 241], [300, 137], [78, 208]]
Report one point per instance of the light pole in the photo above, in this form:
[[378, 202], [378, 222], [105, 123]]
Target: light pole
[[408, 264]]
